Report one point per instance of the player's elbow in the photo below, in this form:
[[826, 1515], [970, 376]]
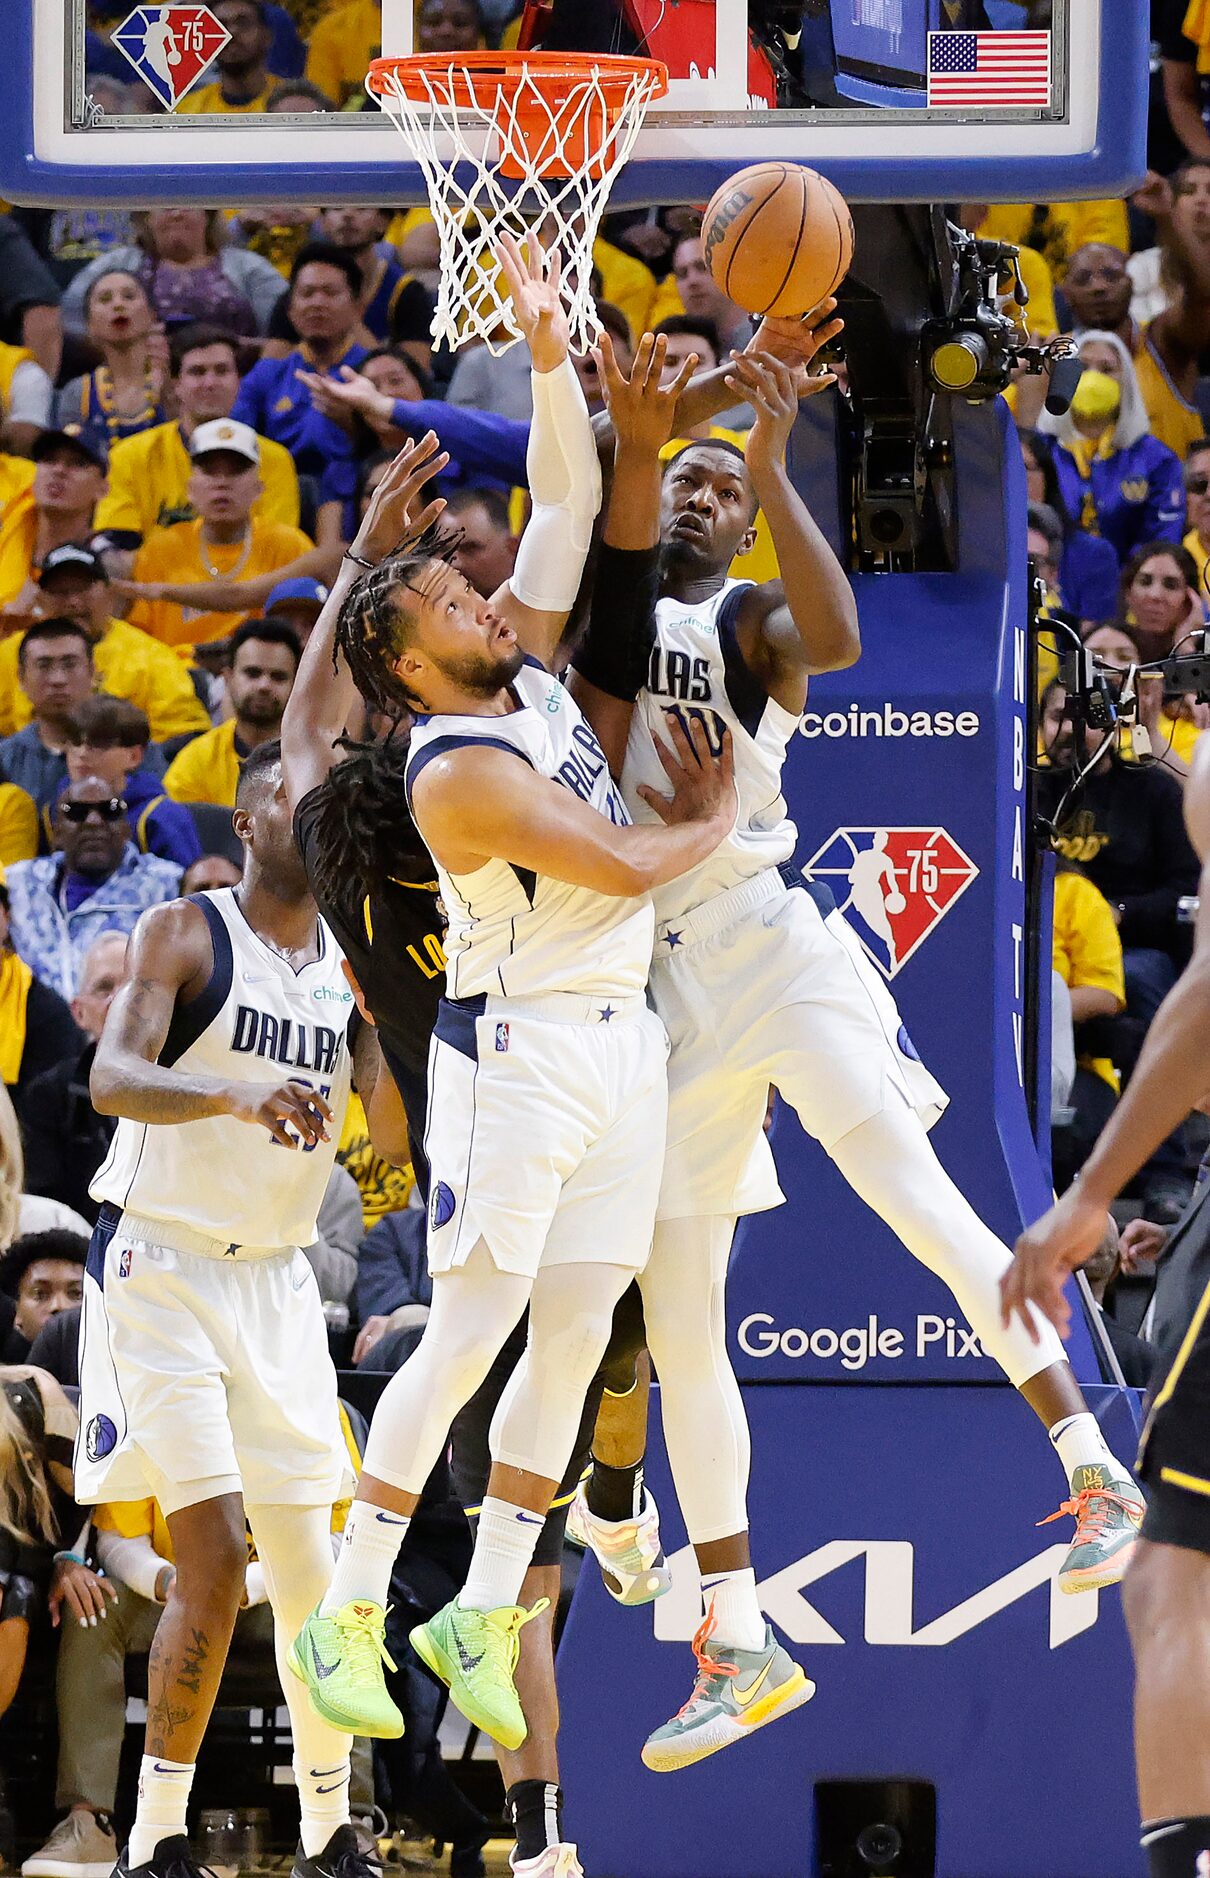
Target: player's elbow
[[845, 647], [103, 1087]]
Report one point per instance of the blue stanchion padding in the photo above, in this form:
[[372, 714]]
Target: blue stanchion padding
[[920, 747], [894, 1539]]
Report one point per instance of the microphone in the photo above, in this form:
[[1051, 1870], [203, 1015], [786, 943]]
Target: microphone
[[1065, 375]]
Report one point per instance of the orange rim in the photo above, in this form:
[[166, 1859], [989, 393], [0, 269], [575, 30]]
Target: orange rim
[[552, 73]]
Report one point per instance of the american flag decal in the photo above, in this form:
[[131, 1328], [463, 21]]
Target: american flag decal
[[977, 70]]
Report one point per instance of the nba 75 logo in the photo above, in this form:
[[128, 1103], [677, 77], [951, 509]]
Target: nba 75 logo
[[893, 885], [170, 47]]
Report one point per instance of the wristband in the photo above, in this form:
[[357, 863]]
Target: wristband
[[359, 561], [71, 1558]]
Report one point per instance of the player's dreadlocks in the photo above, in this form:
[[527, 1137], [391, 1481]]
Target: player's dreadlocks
[[365, 834], [371, 629]]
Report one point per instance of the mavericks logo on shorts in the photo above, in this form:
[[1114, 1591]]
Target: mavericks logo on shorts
[[442, 1207], [100, 1438]]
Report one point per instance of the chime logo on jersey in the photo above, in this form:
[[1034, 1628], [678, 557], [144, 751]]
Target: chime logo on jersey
[[893, 885], [170, 47]]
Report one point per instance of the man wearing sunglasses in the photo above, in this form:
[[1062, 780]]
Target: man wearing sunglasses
[[96, 881], [1197, 497]]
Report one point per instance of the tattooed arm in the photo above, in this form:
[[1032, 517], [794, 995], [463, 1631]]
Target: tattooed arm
[[171, 960]]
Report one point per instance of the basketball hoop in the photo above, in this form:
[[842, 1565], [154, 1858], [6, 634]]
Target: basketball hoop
[[515, 140]]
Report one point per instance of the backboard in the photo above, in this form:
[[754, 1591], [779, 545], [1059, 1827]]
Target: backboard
[[894, 100]]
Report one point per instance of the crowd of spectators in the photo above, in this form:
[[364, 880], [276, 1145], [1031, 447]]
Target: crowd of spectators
[[194, 406]]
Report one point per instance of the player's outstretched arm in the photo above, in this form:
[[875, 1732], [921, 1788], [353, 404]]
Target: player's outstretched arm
[[563, 471], [807, 621], [324, 694], [475, 805], [1171, 1077], [171, 961], [611, 661]]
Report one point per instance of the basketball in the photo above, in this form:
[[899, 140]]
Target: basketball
[[778, 238]]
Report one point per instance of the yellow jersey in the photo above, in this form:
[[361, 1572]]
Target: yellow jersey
[[1172, 418], [18, 525], [1057, 229], [128, 664], [209, 98], [342, 45], [18, 825], [207, 770], [149, 483], [1088, 950], [179, 554]]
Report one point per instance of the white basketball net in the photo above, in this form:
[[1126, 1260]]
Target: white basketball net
[[567, 171]]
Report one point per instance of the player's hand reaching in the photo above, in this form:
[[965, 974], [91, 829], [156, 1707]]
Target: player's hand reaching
[[389, 519], [797, 343], [642, 407], [533, 279], [1046, 1254], [771, 388], [702, 777], [292, 1105]]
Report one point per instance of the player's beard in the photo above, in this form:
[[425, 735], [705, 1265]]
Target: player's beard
[[485, 673]]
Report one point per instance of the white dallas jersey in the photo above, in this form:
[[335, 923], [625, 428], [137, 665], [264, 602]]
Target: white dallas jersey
[[257, 1021], [697, 672], [514, 933]]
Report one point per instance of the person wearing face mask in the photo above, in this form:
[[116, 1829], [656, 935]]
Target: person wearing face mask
[[1115, 479]]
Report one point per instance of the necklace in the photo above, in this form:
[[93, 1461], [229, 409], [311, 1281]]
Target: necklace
[[226, 573], [118, 423]]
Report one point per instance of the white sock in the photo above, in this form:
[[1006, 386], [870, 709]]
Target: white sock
[[1079, 1443], [323, 1801], [163, 1802], [739, 1622], [504, 1550], [367, 1557]]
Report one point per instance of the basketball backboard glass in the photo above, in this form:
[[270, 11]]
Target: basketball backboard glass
[[893, 99]]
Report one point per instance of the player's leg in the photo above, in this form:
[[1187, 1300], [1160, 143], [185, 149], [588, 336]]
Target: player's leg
[[185, 1666], [473, 1644], [745, 1678], [340, 1652], [889, 1160], [613, 1513], [294, 1544]]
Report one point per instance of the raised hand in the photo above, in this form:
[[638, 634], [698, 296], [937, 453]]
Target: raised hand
[[797, 342], [533, 279], [1053, 1247], [771, 388], [343, 398], [389, 519], [642, 406]]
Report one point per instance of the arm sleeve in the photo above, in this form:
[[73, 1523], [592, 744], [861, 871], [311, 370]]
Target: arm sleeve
[[564, 475], [31, 395], [615, 651], [133, 1562], [481, 443]]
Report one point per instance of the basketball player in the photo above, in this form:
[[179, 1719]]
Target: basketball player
[[1167, 1589], [547, 1075], [204, 1369], [373, 879], [758, 985]]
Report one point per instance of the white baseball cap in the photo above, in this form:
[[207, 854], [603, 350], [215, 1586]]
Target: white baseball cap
[[225, 434]]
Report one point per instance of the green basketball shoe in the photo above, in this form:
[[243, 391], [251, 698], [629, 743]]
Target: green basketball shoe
[[475, 1653], [736, 1692], [1108, 1510], [340, 1659]]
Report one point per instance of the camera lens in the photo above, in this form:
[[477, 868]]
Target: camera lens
[[879, 1847]]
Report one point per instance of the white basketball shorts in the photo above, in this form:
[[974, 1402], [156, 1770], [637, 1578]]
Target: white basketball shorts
[[546, 1131], [203, 1374], [757, 987]]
